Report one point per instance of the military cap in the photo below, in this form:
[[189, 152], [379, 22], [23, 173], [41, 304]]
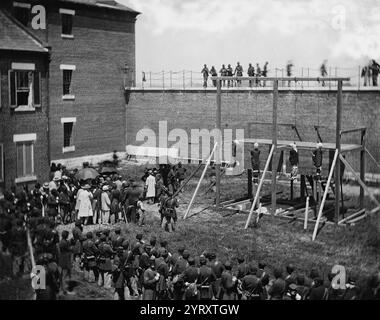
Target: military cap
[[212, 256], [89, 235], [228, 265], [103, 237], [186, 254], [181, 249], [240, 259], [78, 223], [191, 261], [139, 236], [117, 230], [202, 260]]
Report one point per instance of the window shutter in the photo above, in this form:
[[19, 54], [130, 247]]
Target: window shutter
[[12, 89], [37, 89]]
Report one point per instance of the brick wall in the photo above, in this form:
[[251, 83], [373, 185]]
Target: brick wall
[[102, 44], [196, 109], [12, 122]]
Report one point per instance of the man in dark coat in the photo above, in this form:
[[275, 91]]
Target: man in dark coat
[[317, 158], [90, 251], [217, 268], [251, 73], [205, 72], [277, 290], [228, 283], [255, 162], [239, 73], [190, 277], [251, 285], [294, 160], [105, 254], [223, 73], [65, 258], [150, 280], [205, 279]]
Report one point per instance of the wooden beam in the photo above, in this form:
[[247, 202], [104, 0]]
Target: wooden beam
[[306, 213], [362, 167], [274, 145], [259, 188], [352, 216], [360, 181], [372, 157], [218, 127], [325, 194], [338, 147], [358, 219], [200, 181], [352, 130], [187, 180]]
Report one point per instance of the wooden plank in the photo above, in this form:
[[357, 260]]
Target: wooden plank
[[274, 138], [325, 194], [338, 148], [200, 181], [219, 142], [306, 213], [352, 216], [357, 219], [259, 188]]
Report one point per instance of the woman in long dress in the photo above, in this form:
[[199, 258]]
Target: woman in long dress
[[84, 204]]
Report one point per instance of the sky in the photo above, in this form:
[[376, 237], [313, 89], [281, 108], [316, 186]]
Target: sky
[[185, 34]]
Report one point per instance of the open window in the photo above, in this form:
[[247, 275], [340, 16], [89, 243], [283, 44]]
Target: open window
[[24, 87]]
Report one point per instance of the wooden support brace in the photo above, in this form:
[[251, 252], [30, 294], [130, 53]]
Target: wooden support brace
[[200, 181], [360, 181], [325, 194], [306, 213], [259, 188], [351, 216]]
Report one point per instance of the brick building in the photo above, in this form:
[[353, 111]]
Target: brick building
[[24, 108], [92, 55]]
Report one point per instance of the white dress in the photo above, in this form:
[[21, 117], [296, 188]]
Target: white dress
[[151, 187], [84, 204]]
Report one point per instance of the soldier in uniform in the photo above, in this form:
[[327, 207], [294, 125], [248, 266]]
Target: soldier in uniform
[[251, 285], [264, 72], [213, 74], [65, 257], [104, 261], [239, 73], [228, 283], [168, 212], [190, 278], [223, 73], [217, 268], [251, 73], [229, 74], [205, 279], [150, 280], [90, 253], [205, 72], [258, 74]]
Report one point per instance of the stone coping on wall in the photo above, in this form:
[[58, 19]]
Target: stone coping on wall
[[326, 89]]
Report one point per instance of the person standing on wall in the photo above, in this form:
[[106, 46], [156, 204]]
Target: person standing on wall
[[251, 73], [238, 73], [223, 73], [213, 74], [205, 72]]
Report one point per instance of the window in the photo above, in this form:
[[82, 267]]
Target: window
[[67, 22], [22, 12], [24, 87], [25, 157], [68, 136], [1, 162], [67, 73]]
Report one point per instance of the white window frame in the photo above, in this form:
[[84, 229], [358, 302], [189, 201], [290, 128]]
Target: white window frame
[[22, 5], [68, 12], [72, 120], [20, 66], [2, 162], [72, 68], [27, 137]]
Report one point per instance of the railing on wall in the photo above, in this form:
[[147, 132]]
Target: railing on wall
[[186, 79]]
